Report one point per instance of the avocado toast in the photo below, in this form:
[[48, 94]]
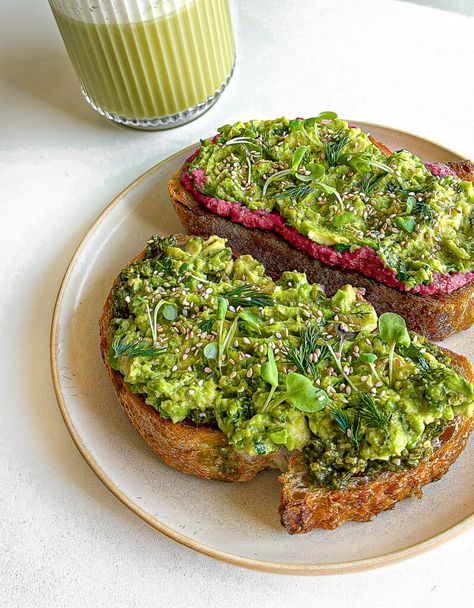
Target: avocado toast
[[226, 372], [322, 197]]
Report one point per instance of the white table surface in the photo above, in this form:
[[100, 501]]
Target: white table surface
[[64, 539]]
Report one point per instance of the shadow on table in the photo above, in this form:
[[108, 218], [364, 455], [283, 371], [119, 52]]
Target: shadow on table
[[466, 7], [51, 79]]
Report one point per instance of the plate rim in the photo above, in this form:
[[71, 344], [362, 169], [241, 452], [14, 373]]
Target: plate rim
[[255, 564]]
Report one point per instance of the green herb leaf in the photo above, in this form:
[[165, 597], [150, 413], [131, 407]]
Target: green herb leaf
[[298, 155], [393, 329], [251, 319], [211, 350], [327, 116], [341, 219], [411, 202], [316, 171], [303, 395], [269, 370], [368, 357], [222, 306], [170, 312], [406, 223]]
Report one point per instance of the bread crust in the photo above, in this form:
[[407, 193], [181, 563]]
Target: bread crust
[[204, 451], [433, 316]]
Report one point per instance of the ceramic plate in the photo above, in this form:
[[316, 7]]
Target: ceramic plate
[[236, 523]]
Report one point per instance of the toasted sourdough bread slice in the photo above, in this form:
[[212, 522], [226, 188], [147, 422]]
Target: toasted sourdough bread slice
[[433, 316], [205, 452]]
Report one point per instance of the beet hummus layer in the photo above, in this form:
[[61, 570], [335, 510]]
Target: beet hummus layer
[[364, 260]]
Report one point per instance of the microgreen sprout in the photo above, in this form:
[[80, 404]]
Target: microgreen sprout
[[363, 163], [301, 394], [370, 359], [296, 160], [269, 373], [393, 330]]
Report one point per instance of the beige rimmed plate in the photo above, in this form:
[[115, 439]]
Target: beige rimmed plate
[[237, 523]]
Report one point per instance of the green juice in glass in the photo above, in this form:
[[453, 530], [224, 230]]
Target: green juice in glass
[[155, 68]]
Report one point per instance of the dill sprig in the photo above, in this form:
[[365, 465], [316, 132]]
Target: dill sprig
[[302, 356], [122, 348], [368, 410], [370, 181], [206, 325], [296, 192], [351, 428], [332, 150], [246, 296]]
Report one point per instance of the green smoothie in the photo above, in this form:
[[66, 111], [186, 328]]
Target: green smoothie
[[147, 69]]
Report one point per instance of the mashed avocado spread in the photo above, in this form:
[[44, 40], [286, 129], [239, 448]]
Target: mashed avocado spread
[[328, 181], [277, 364]]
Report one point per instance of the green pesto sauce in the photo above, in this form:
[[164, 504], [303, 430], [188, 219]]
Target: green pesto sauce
[[417, 223], [192, 358]]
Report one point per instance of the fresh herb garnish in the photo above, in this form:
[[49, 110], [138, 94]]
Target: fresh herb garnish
[[302, 356], [122, 348], [368, 410], [393, 330], [351, 428], [363, 163], [296, 161], [333, 150], [246, 296], [211, 350], [369, 182], [269, 373], [370, 359], [296, 192], [206, 325], [303, 395]]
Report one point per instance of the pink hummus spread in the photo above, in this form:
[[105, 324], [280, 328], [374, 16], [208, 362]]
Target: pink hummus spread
[[364, 260]]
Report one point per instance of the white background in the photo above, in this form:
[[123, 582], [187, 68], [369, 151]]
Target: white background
[[64, 539]]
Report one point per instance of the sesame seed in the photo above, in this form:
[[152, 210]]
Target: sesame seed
[[208, 370], [249, 373]]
